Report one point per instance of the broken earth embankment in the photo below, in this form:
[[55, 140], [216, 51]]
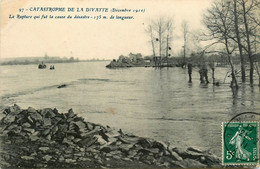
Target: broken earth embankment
[[47, 138]]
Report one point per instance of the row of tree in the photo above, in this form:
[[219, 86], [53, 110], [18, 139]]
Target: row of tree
[[232, 29], [235, 25], [161, 32]]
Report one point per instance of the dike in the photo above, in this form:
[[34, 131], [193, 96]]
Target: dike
[[31, 138]]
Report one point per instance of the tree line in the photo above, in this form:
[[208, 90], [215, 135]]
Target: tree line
[[235, 25], [232, 28]]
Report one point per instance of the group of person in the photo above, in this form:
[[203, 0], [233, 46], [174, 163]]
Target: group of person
[[203, 71]]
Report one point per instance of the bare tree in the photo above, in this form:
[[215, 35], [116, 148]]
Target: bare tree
[[243, 3], [246, 28], [258, 72], [169, 31], [243, 75], [150, 32], [185, 32], [218, 21], [194, 41], [249, 28], [160, 29]]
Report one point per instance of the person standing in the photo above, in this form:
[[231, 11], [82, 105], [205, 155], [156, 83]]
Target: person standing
[[201, 74], [190, 72], [211, 65], [205, 73]]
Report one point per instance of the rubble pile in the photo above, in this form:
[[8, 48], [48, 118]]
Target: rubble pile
[[47, 138]]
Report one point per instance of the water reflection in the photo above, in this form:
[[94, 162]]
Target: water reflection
[[213, 90], [252, 95], [189, 85], [242, 89], [235, 96]]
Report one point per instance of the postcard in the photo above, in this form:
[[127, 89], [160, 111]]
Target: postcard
[[129, 84]]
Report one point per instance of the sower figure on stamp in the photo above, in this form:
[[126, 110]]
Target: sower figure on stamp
[[237, 139], [189, 71]]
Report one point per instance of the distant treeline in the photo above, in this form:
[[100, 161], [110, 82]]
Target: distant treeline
[[218, 59], [196, 59], [38, 60], [200, 59]]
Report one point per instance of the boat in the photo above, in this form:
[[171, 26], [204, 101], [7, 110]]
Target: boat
[[52, 67], [41, 66]]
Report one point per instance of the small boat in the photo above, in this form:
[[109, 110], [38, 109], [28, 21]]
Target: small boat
[[41, 66], [52, 67]]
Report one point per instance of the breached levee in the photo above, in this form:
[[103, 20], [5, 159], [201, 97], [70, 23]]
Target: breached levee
[[47, 138]]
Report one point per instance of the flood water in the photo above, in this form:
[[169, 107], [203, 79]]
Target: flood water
[[148, 102]]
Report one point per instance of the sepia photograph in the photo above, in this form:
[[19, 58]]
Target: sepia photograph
[[129, 83]]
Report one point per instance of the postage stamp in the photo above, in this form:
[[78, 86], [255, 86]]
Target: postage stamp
[[240, 143]]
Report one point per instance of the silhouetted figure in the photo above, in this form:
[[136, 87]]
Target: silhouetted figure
[[189, 71], [205, 72], [213, 73], [201, 74]]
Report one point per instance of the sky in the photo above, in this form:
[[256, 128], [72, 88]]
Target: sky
[[89, 38]]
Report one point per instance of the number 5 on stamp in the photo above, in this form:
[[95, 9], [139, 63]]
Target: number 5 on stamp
[[240, 143]]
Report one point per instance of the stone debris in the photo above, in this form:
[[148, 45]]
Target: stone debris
[[53, 139]]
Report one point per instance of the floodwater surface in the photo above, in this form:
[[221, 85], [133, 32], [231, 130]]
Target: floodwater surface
[[149, 102]]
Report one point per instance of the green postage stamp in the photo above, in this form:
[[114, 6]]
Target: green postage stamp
[[240, 143]]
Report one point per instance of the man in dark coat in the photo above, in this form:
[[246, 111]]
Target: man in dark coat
[[189, 71]]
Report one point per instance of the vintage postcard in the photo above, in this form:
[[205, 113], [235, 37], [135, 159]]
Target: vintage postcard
[[129, 83]]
